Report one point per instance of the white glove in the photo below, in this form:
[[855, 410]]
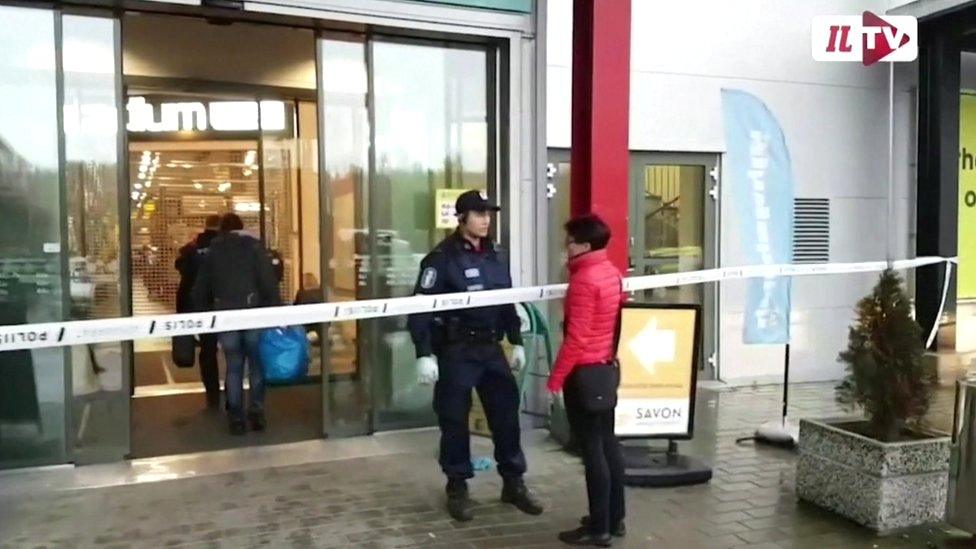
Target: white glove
[[518, 358], [427, 370]]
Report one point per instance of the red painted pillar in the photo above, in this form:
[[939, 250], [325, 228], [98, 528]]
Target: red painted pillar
[[601, 116]]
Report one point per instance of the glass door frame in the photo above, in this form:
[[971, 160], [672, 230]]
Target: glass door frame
[[708, 369], [498, 178]]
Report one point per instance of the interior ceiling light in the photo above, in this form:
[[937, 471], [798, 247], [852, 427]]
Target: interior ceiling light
[[142, 176], [197, 186]]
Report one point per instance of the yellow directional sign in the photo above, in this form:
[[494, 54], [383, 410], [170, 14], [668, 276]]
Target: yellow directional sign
[[657, 355]]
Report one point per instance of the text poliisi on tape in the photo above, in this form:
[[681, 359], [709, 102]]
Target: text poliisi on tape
[[83, 332]]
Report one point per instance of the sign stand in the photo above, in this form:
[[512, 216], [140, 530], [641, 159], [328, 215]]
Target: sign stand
[[655, 467], [780, 433], [657, 356]]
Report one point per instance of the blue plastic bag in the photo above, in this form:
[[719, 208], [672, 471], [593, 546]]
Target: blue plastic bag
[[284, 355]]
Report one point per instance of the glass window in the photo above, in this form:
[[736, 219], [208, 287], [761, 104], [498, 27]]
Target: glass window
[[345, 137], [91, 133], [671, 221], [32, 395], [281, 168], [431, 130]]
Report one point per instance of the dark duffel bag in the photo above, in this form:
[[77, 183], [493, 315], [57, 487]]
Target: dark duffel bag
[[185, 351]]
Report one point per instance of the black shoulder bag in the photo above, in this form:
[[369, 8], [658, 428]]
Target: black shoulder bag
[[598, 383]]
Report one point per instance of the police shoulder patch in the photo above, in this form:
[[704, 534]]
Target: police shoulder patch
[[428, 278]]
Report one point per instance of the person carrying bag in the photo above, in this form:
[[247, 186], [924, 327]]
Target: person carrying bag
[[586, 371]]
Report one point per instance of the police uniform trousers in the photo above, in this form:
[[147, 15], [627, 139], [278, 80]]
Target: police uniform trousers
[[481, 366]]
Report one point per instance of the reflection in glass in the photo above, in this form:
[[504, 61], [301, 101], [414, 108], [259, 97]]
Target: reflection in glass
[[431, 117], [32, 395], [91, 175], [345, 136]]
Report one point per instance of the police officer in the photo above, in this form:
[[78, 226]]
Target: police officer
[[459, 350]]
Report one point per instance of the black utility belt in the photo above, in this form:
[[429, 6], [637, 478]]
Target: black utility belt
[[473, 336]]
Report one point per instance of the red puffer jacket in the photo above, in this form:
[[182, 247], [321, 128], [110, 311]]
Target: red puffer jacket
[[592, 305]]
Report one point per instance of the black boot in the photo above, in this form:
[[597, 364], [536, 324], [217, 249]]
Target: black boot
[[257, 421], [237, 426], [618, 530], [582, 536], [458, 500], [518, 495]]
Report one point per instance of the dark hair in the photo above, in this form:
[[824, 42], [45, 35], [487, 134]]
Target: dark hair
[[589, 229], [212, 222], [231, 222]]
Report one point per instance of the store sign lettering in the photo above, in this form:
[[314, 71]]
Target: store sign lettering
[[145, 117], [659, 413]]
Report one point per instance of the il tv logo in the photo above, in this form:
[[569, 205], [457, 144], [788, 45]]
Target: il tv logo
[[867, 38]]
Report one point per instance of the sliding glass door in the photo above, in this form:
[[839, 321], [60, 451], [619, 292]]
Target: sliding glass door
[[405, 125], [60, 145]]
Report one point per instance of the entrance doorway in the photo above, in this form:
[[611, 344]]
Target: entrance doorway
[[198, 147], [404, 123], [673, 229]]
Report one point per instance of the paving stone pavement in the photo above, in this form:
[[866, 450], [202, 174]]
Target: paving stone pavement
[[396, 501]]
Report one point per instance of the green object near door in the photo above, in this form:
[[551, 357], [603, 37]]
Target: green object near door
[[521, 6]]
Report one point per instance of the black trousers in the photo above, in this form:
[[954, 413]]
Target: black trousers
[[209, 371], [602, 459], [480, 366]]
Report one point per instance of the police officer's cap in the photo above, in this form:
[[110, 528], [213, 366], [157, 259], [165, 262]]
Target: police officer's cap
[[474, 201]]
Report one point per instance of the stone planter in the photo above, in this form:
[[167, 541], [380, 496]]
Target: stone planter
[[883, 486]]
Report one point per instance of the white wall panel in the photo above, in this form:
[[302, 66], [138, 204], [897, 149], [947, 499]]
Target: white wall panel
[[834, 116]]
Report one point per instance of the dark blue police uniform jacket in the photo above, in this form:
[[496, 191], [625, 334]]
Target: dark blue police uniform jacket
[[453, 266]]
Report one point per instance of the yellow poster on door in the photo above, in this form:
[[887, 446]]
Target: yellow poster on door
[[967, 197], [444, 214]]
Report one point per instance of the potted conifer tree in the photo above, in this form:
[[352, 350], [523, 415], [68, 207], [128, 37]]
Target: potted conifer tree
[[885, 470]]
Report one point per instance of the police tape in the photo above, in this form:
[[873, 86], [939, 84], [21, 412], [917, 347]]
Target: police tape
[[83, 332]]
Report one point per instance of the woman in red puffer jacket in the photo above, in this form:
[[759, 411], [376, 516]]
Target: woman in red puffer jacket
[[592, 314]]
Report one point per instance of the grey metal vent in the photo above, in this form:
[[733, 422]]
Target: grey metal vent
[[811, 230]]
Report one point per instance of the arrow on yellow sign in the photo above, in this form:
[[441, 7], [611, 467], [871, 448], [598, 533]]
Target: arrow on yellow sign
[[651, 346]]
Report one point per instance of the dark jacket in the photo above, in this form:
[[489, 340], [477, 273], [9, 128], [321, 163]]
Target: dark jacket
[[455, 265], [236, 273], [188, 264]]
